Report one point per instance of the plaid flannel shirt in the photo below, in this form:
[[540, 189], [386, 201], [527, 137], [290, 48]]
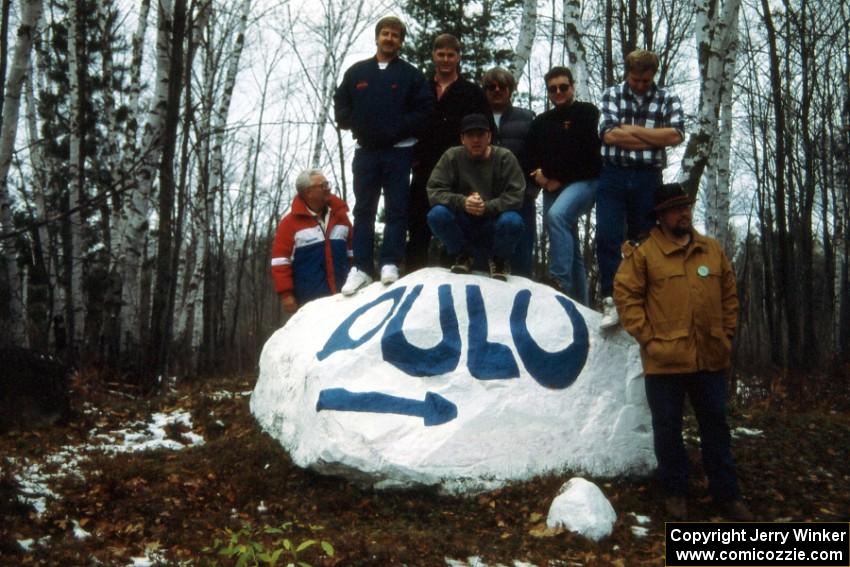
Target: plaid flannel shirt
[[658, 108]]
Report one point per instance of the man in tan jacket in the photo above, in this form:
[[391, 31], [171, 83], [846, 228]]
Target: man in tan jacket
[[675, 294]]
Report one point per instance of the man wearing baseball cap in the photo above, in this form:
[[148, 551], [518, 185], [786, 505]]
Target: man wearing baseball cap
[[475, 192], [675, 294]]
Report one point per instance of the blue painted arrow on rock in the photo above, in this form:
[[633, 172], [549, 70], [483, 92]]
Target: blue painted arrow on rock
[[436, 410]]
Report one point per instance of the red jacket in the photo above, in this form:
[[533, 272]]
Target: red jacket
[[309, 262]]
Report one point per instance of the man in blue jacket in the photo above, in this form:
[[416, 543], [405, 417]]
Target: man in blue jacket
[[384, 101]]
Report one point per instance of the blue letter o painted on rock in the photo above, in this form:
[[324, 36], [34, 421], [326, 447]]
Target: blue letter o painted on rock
[[341, 339]]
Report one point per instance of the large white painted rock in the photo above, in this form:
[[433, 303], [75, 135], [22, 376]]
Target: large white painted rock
[[581, 507], [461, 381]]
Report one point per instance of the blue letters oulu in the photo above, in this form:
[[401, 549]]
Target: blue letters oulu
[[485, 360]]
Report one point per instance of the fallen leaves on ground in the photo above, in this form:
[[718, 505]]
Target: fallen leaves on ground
[[172, 505]]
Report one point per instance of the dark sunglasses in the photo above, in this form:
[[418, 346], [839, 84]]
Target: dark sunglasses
[[561, 88], [496, 87]]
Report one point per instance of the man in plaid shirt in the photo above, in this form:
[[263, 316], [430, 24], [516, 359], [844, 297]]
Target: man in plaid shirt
[[638, 121]]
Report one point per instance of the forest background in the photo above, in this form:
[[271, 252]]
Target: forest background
[[148, 150]]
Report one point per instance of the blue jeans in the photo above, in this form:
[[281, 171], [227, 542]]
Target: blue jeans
[[707, 393], [459, 231], [522, 261], [561, 211], [387, 168], [625, 195]]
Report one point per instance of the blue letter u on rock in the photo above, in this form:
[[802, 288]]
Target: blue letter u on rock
[[555, 370], [341, 339], [486, 360], [417, 361]]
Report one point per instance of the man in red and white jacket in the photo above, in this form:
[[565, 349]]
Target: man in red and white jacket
[[311, 254]]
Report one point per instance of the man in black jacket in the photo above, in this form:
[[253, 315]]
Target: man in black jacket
[[384, 101], [456, 97], [512, 124], [563, 144]]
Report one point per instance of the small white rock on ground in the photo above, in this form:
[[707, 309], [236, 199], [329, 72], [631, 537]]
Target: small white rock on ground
[[580, 507]]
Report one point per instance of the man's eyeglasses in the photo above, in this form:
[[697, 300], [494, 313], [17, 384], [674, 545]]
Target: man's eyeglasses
[[496, 87], [559, 88], [323, 185]]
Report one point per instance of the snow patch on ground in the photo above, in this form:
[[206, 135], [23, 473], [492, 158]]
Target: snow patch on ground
[[140, 436], [582, 508], [739, 431], [35, 479], [640, 519], [28, 544], [475, 561], [150, 559], [640, 531], [227, 395], [79, 532]]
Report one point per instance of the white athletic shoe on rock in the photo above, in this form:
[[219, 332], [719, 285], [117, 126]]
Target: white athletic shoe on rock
[[610, 317], [356, 279], [389, 274]]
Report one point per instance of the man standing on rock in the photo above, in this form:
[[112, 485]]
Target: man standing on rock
[[384, 101], [639, 120], [456, 97], [675, 293], [512, 124], [564, 147], [475, 191]]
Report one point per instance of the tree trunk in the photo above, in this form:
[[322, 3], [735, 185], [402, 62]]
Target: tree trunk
[[76, 173], [525, 41], [162, 313], [12, 318], [786, 302], [716, 33], [717, 183], [574, 40], [110, 196], [4, 47], [139, 170]]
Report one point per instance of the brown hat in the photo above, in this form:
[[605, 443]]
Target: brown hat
[[671, 195]]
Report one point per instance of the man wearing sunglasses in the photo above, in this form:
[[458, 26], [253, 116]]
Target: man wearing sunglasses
[[639, 120], [311, 252], [563, 145], [511, 131]]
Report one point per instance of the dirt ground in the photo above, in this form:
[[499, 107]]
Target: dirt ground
[[198, 505]]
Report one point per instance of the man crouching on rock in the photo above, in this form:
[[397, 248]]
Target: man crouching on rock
[[475, 192], [675, 293]]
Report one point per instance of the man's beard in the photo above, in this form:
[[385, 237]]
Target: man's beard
[[680, 230]]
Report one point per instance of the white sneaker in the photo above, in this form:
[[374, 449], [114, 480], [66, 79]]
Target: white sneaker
[[356, 279], [389, 274], [610, 317]]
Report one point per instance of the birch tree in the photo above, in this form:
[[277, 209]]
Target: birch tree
[[141, 163], [573, 38], [196, 330], [163, 309], [339, 24], [75, 176], [525, 40], [716, 29], [15, 326]]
